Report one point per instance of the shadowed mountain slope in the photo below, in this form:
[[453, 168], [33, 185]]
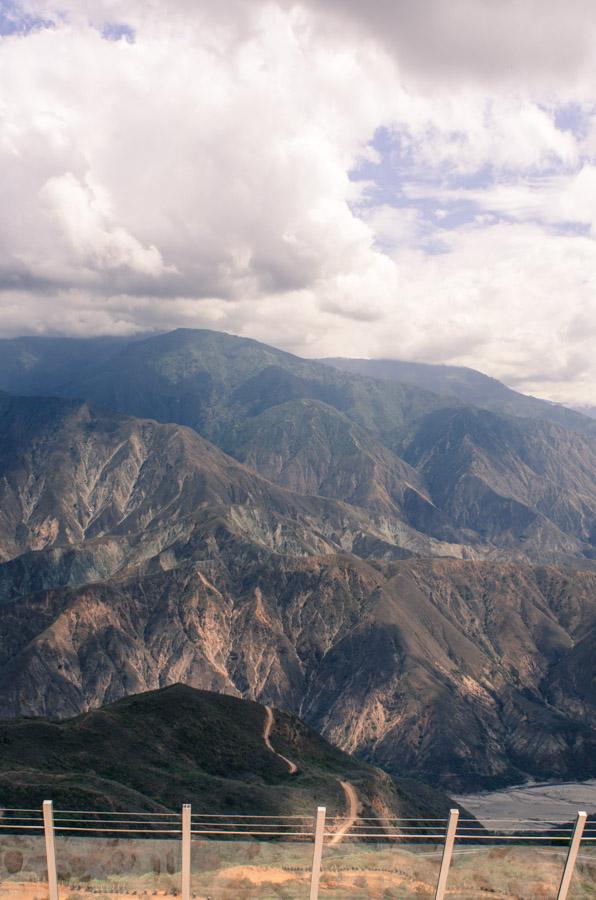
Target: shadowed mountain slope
[[157, 750], [44, 365]]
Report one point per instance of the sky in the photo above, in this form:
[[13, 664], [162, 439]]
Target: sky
[[397, 179]]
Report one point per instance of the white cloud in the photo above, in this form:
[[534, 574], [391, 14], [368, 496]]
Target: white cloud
[[227, 174], [511, 297], [82, 213], [200, 175]]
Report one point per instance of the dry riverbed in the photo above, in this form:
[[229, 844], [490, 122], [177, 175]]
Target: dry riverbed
[[542, 803]]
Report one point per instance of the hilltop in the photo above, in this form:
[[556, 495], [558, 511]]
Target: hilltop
[[157, 750]]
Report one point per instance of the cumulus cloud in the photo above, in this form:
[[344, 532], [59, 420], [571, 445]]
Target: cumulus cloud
[[220, 165], [82, 213]]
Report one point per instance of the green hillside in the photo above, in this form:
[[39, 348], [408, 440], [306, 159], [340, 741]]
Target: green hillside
[[157, 750]]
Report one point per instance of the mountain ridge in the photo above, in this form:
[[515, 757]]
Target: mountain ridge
[[469, 386], [232, 390]]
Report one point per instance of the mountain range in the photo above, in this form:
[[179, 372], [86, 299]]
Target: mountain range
[[402, 555]]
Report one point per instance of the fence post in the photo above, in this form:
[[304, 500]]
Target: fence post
[[447, 853], [317, 853], [572, 855], [48, 827], [186, 820]]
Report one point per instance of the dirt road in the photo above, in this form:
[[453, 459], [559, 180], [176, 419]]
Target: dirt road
[[293, 768], [352, 804]]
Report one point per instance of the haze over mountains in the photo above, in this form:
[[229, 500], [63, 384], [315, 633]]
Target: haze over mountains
[[407, 563], [469, 386]]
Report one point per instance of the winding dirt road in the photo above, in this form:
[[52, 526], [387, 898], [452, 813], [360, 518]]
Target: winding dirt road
[[352, 804], [352, 801], [293, 768]]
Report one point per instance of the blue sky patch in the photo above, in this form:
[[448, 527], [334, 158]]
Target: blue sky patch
[[13, 19], [115, 31]]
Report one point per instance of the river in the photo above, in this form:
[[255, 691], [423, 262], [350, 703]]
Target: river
[[541, 804]]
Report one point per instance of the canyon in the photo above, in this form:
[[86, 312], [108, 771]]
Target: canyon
[[411, 573]]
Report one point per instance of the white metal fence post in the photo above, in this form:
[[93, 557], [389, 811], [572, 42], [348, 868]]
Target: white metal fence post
[[447, 853], [576, 838], [186, 820], [48, 827], [317, 853]]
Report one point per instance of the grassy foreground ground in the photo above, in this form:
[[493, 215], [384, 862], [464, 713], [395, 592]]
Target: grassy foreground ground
[[250, 870]]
